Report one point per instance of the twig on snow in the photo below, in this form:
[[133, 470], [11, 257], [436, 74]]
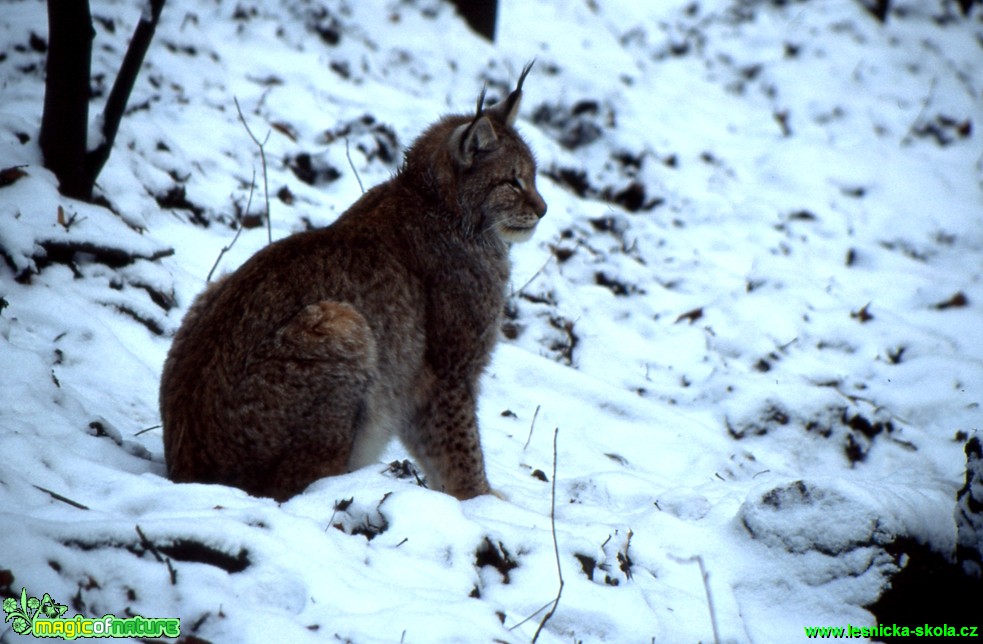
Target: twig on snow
[[262, 157], [150, 547], [535, 275], [556, 548], [533, 614], [531, 426], [706, 587], [556, 552], [63, 499], [148, 429], [352, 166], [909, 137], [225, 249]]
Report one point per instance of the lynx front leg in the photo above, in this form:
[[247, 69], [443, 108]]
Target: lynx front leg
[[446, 442]]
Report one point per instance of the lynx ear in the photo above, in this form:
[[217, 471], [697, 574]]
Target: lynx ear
[[472, 139], [507, 111]]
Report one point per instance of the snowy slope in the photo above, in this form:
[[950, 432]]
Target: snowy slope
[[752, 315]]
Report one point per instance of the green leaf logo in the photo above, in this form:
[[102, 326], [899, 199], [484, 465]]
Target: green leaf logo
[[50, 609], [22, 613]]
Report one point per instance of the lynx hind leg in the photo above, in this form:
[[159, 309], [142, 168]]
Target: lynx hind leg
[[305, 398], [330, 330]]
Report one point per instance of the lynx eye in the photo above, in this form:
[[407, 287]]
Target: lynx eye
[[516, 183]]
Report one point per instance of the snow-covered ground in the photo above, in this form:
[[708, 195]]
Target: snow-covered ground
[[752, 316]]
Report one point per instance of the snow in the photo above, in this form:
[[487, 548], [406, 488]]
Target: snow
[[765, 353]]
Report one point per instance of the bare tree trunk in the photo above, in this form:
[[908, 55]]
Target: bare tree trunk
[[480, 14], [966, 6], [120, 94], [880, 9], [65, 122]]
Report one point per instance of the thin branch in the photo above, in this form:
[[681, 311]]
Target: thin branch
[[706, 587], [531, 426], [225, 249], [262, 157], [352, 166], [170, 571], [556, 548], [148, 429], [63, 499], [909, 137], [534, 276], [534, 613], [149, 546]]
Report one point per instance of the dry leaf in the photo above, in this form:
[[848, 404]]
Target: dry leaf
[[285, 129], [691, 316], [864, 314], [9, 175], [958, 300]]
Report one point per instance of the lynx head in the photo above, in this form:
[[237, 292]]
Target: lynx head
[[485, 169]]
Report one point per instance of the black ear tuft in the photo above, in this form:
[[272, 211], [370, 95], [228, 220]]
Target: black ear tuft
[[525, 72], [507, 111], [480, 108]]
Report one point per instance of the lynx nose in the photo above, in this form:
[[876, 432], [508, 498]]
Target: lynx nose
[[538, 205]]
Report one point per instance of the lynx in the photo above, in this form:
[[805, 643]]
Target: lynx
[[304, 362]]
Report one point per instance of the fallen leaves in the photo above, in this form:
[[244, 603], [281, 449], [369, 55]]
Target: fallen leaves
[[957, 301], [691, 316], [863, 315], [9, 176]]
